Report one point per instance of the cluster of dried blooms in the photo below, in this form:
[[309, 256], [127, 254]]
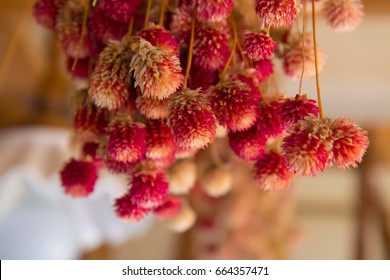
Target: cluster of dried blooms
[[163, 79]]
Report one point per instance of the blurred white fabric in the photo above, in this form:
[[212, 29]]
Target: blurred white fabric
[[37, 220]]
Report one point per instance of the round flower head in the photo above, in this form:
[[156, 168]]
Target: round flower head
[[126, 141], [151, 108], [350, 143], [129, 211], [120, 10], [157, 71], [110, 80], [248, 144], [181, 24], [234, 104], [271, 172], [211, 46], [159, 140], [258, 46], [169, 209], [117, 167], [291, 110], [181, 177], [213, 10], [45, 12], [217, 182], [148, 189], [104, 28], [184, 220], [82, 68], [343, 15], [269, 122], [277, 13], [264, 68], [249, 78], [191, 120], [160, 37], [78, 178], [308, 147]]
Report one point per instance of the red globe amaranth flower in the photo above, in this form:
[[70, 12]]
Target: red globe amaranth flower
[[120, 10], [169, 209], [159, 140], [78, 178], [129, 211], [110, 81], [268, 121], [148, 190], [181, 24], [213, 10], [104, 28], [249, 144], [160, 37], [151, 108], [264, 68], [126, 141], [271, 172], [157, 71], [234, 104], [258, 46], [45, 12], [343, 15], [308, 147], [350, 143], [249, 78], [211, 46], [291, 110], [90, 149], [277, 13], [81, 70], [191, 120]]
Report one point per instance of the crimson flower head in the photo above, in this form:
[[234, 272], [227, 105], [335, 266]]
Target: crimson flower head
[[169, 209], [271, 172], [160, 37], [45, 12], [191, 120], [277, 13], [129, 211], [120, 10], [126, 141], [308, 147], [269, 121], [350, 143], [153, 109], [213, 10], [181, 24], [81, 70], [343, 15], [258, 46], [159, 140], [234, 104], [78, 178], [264, 68]]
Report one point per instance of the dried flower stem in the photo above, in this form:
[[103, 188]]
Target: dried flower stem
[[131, 26], [316, 59], [147, 14], [303, 46], [235, 39], [239, 47], [83, 34], [162, 11], [190, 51], [94, 3]]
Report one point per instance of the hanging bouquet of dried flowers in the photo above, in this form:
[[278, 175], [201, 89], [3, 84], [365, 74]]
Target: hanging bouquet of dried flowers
[[164, 78]]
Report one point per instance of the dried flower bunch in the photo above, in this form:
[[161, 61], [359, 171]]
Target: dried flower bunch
[[164, 78]]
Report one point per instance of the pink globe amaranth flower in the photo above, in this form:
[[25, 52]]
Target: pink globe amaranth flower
[[211, 46], [126, 141], [157, 71], [45, 13], [268, 121], [169, 209], [258, 46], [191, 120], [234, 104], [213, 10], [181, 24], [104, 28], [201, 78], [128, 210], [350, 143], [308, 147], [110, 81], [160, 37], [151, 108], [291, 110], [271, 172], [120, 10], [249, 144], [159, 140], [264, 68], [249, 78], [343, 15], [277, 13], [78, 178], [81, 70], [148, 189]]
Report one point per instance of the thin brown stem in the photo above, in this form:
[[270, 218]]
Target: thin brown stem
[[94, 3], [235, 39], [303, 46], [190, 51], [241, 51], [316, 59], [83, 34], [131, 26], [147, 14], [162, 12]]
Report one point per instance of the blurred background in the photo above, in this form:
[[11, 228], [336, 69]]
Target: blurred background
[[337, 215]]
